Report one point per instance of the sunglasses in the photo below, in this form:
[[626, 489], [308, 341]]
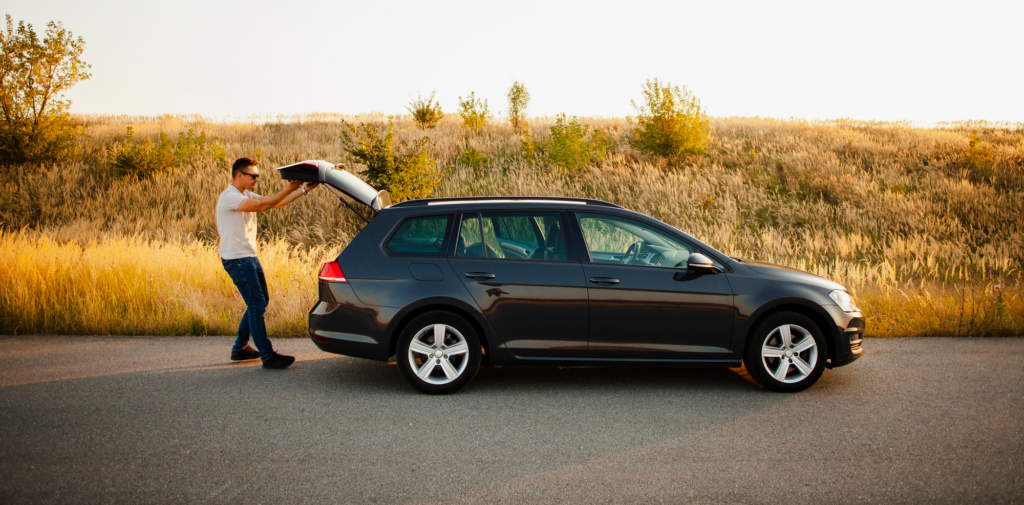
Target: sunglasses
[[254, 176]]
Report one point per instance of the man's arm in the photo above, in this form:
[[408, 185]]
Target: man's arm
[[265, 203], [295, 195]]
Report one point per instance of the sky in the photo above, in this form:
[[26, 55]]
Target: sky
[[889, 60]]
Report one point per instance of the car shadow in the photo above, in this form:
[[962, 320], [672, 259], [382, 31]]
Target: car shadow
[[359, 375]]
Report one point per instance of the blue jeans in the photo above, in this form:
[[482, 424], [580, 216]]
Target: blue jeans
[[247, 274]]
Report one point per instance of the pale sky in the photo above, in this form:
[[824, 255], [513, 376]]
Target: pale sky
[[886, 60]]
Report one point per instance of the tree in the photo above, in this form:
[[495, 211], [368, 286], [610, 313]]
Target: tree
[[425, 112], [34, 74], [406, 172], [671, 122], [518, 99], [474, 112]]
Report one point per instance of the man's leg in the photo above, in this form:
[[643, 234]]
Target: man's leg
[[262, 334], [244, 274], [231, 267], [243, 332]]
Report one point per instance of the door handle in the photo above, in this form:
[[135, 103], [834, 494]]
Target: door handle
[[604, 280], [479, 275]]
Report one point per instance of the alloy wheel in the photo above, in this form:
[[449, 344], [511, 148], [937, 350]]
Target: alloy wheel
[[438, 354], [789, 353]]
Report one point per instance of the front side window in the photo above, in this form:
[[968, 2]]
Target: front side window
[[618, 240], [512, 235], [420, 236]]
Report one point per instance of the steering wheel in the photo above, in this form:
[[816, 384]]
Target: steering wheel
[[632, 252]]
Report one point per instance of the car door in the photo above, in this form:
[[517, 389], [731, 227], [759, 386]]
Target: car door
[[644, 303], [527, 282]]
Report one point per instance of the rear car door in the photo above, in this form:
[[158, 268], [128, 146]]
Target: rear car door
[[526, 279], [644, 303]]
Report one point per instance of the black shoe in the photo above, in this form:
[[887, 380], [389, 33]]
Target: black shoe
[[278, 361], [245, 353]]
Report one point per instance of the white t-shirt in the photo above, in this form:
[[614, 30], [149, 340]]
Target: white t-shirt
[[237, 229]]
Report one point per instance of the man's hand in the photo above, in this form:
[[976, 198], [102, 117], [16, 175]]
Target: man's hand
[[294, 185], [311, 185]]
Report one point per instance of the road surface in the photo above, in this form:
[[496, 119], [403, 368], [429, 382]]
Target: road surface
[[171, 420]]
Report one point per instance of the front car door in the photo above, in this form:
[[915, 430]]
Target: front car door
[[528, 283], [644, 303]]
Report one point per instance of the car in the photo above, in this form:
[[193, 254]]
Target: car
[[444, 285]]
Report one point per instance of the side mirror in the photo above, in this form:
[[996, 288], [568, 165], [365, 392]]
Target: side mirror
[[700, 263]]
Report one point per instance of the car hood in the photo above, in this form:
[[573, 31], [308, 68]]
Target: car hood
[[324, 172], [791, 274]]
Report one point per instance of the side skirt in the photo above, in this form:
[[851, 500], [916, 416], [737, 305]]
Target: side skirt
[[531, 361]]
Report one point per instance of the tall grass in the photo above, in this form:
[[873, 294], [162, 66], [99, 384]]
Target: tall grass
[[139, 286], [928, 237]]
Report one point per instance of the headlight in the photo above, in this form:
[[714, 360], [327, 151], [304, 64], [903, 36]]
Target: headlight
[[843, 300]]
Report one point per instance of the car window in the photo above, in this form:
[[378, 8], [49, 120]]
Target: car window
[[420, 235], [470, 243], [618, 240], [524, 235]]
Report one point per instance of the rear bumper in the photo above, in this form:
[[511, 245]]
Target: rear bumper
[[848, 335], [340, 324], [358, 346]]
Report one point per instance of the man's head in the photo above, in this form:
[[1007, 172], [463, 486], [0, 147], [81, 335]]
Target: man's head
[[244, 173]]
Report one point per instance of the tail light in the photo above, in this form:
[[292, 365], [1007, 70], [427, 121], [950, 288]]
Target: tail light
[[331, 272]]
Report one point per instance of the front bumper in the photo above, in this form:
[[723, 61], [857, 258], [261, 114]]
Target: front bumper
[[847, 336]]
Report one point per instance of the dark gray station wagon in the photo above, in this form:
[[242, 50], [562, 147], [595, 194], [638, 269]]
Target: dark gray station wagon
[[444, 285]]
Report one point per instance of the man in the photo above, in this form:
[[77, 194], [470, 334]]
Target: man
[[236, 224]]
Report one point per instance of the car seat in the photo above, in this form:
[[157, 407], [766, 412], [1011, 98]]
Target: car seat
[[554, 245]]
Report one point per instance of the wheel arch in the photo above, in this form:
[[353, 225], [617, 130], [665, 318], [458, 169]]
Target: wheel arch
[[459, 307], [802, 307]]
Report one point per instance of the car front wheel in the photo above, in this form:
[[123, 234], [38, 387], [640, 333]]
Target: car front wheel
[[438, 352], [786, 352]]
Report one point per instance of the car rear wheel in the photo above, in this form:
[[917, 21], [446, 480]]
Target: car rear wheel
[[786, 352], [438, 352]]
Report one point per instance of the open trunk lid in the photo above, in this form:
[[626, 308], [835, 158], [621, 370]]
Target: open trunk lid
[[324, 172]]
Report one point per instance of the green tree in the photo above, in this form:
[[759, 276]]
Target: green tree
[[34, 74], [670, 123], [406, 172], [425, 112], [474, 112], [518, 99]]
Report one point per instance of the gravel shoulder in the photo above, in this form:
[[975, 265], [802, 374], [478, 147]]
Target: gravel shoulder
[[170, 419]]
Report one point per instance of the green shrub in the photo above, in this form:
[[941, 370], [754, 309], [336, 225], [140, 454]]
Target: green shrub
[[474, 112], [405, 171], [425, 112], [575, 146], [518, 99], [670, 123], [126, 158], [527, 145], [472, 157], [34, 74], [978, 155]]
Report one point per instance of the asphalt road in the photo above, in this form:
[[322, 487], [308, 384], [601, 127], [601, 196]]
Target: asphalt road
[[129, 420]]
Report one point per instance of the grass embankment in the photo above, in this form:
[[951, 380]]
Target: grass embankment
[[927, 231], [131, 286]]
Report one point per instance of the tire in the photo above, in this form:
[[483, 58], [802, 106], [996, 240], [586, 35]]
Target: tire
[[459, 357], [767, 347]]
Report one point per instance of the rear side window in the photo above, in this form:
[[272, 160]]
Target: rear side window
[[420, 236], [512, 235]]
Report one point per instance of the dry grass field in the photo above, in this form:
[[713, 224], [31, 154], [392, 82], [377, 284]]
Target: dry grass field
[[926, 230]]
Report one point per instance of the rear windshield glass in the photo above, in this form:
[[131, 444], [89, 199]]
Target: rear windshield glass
[[420, 235]]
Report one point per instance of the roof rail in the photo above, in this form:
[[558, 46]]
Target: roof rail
[[473, 199]]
